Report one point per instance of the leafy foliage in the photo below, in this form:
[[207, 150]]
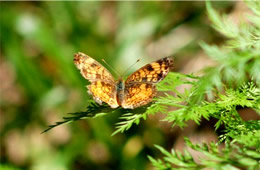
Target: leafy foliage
[[237, 74], [229, 157]]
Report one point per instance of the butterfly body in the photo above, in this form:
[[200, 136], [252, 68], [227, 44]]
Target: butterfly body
[[137, 90], [120, 91]]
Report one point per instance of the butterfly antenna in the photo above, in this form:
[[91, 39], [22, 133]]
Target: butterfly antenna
[[130, 67], [111, 67]]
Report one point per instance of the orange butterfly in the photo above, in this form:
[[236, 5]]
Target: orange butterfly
[[137, 90]]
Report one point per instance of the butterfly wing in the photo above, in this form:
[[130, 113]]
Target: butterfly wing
[[151, 73], [103, 92], [140, 86], [102, 87], [91, 69], [138, 94]]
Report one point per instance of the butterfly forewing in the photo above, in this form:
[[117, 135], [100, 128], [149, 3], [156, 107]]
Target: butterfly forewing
[[91, 69], [151, 73]]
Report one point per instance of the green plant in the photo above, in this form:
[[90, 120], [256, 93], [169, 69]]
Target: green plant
[[232, 83]]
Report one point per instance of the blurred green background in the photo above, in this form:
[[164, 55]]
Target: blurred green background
[[40, 84]]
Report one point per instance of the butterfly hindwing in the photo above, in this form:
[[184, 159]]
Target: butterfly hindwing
[[138, 94], [140, 86], [103, 92]]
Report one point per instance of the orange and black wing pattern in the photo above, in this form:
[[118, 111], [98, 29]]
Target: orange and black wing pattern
[[140, 86], [91, 69], [137, 95], [103, 92], [151, 73], [102, 87]]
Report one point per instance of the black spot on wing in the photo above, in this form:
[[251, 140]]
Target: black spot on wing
[[144, 79], [93, 65], [161, 61], [150, 68]]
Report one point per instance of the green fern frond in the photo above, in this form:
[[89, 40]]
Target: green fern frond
[[243, 35], [229, 157], [93, 111], [233, 83], [222, 23], [129, 119]]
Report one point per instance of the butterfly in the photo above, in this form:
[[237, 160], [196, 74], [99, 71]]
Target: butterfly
[[137, 90]]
